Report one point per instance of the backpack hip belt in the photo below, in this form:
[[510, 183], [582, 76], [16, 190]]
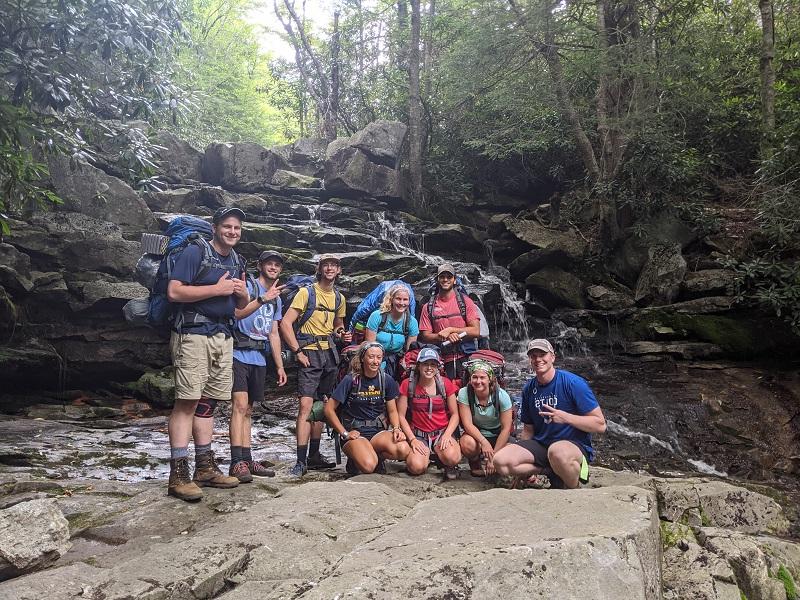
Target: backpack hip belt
[[430, 437], [352, 423], [194, 318]]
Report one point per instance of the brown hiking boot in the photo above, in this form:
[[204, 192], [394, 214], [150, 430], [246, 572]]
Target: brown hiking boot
[[207, 473], [180, 484]]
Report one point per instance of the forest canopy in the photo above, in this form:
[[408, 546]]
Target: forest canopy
[[609, 110]]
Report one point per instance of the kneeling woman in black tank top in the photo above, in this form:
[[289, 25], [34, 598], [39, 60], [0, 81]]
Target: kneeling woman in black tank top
[[363, 411]]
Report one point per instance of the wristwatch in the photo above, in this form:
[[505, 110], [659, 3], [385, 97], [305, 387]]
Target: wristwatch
[[344, 435], [260, 300]]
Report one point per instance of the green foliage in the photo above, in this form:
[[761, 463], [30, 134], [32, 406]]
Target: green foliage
[[232, 92], [788, 583]]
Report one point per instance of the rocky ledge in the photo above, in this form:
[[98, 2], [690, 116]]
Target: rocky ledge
[[387, 536]]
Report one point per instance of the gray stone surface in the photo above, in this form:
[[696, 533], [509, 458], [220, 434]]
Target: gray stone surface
[[33, 535], [15, 269], [291, 179], [694, 573], [685, 350], [90, 191], [179, 161], [556, 288], [720, 505], [661, 277], [606, 298], [350, 172], [241, 166], [709, 282], [537, 235], [381, 141]]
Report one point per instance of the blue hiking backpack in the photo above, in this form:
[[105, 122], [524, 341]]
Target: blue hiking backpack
[[157, 311], [372, 301]]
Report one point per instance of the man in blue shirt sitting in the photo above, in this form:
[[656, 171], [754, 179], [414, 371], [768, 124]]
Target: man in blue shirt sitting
[[559, 415]]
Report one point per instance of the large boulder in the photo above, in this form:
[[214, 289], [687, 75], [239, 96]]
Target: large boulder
[[15, 270], [350, 172], [626, 262], [536, 259], [538, 236], [90, 191], [204, 199], [691, 571], [33, 535], [241, 167], [709, 282], [291, 179], [609, 298], [448, 237], [559, 544], [660, 281], [556, 288], [179, 161], [381, 141]]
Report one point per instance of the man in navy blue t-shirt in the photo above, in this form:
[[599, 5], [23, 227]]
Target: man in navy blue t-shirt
[[559, 415], [207, 287]]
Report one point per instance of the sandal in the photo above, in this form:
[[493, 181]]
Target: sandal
[[476, 468]]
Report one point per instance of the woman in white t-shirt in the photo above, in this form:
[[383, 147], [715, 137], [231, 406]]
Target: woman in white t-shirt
[[485, 411]]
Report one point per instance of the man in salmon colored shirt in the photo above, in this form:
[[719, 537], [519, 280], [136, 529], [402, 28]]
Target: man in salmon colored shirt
[[450, 320]]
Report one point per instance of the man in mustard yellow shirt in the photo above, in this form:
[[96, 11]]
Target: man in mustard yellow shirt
[[314, 345]]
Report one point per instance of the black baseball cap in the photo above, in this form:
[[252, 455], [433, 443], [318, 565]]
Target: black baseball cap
[[227, 211], [267, 254]]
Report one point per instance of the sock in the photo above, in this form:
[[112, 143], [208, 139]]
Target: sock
[[302, 454], [175, 453], [247, 454], [313, 447], [201, 449], [236, 454]]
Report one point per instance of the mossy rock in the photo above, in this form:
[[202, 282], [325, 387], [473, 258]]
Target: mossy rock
[[739, 335], [158, 387]]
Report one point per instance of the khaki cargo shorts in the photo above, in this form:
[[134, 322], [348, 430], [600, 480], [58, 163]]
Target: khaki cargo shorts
[[203, 366]]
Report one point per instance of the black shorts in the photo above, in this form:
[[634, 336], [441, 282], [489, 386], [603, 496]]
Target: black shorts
[[250, 379], [318, 378], [539, 452], [367, 433], [492, 439]]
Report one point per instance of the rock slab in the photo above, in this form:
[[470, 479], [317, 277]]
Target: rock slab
[[33, 535]]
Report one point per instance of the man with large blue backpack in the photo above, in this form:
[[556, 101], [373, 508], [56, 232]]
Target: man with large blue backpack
[[206, 284], [310, 327]]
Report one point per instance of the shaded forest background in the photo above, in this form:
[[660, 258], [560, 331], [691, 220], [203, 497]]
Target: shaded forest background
[[609, 112]]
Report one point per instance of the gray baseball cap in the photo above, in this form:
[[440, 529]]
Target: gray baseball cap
[[267, 254], [446, 268], [540, 344]]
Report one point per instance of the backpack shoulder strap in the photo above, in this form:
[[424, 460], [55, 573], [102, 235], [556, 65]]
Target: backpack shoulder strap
[[406, 324], [384, 320], [471, 398], [440, 387], [462, 305], [339, 300], [382, 379], [430, 308], [311, 306]]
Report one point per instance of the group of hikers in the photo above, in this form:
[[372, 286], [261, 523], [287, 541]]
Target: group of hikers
[[414, 391]]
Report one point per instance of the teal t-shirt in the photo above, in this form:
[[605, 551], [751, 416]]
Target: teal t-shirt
[[487, 419], [392, 338]]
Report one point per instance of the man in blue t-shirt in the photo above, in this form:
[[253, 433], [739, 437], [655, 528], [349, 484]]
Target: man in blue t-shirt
[[559, 414], [255, 337], [207, 284]]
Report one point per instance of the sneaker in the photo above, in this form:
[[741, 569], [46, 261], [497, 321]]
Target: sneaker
[[180, 483], [350, 467], [381, 468], [241, 471], [317, 462], [298, 470], [450, 473], [259, 470], [207, 473]]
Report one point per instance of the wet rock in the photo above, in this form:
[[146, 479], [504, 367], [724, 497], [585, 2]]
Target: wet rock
[[24, 365], [290, 179], [240, 167], [616, 556], [15, 270], [661, 277], [8, 311], [90, 191], [309, 152], [33, 535], [94, 288], [446, 237], [705, 305], [710, 282], [605, 298], [556, 288], [537, 259], [720, 505], [179, 160], [685, 350]]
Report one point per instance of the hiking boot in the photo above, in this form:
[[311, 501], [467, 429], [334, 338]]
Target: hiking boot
[[317, 462], [180, 483], [241, 471], [259, 470], [298, 470], [207, 473], [450, 473]]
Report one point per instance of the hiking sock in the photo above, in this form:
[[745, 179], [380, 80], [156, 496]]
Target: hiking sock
[[175, 453], [201, 449], [247, 454], [302, 454], [236, 454], [313, 447]]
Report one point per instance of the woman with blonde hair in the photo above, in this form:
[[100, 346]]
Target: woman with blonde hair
[[393, 326], [363, 411]]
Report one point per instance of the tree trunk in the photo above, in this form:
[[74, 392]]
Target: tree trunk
[[767, 69], [415, 128], [332, 112]]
